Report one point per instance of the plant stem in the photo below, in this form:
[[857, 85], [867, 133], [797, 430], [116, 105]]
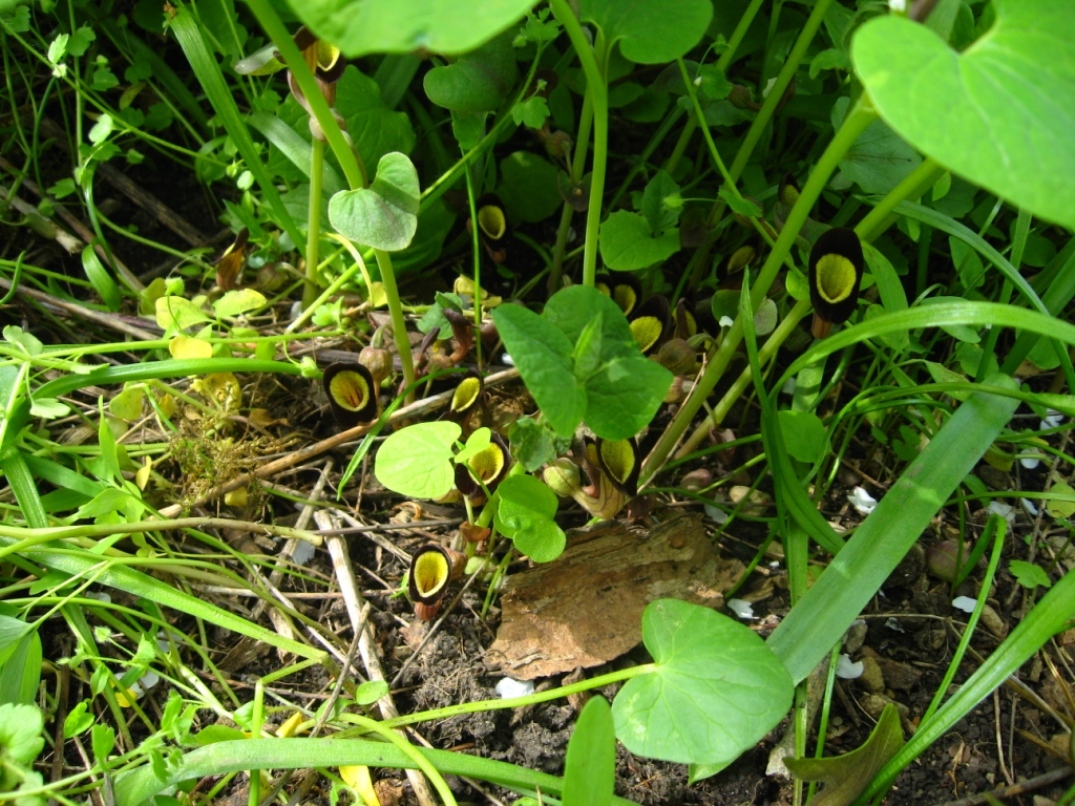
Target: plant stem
[[275, 29], [776, 92], [593, 61], [399, 324], [578, 164], [858, 118], [767, 351], [520, 702], [313, 222], [913, 186]]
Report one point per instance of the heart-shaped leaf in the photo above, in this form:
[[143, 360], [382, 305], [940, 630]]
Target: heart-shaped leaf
[[627, 242], [359, 27], [716, 690], [417, 460], [384, 215], [650, 31], [999, 114]]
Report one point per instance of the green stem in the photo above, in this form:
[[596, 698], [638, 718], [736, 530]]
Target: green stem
[[521, 702], [913, 186], [765, 354], [578, 164], [858, 118], [399, 324], [776, 92], [275, 29], [593, 61], [313, 222]]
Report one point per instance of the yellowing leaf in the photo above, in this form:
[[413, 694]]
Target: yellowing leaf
[[186, 347]]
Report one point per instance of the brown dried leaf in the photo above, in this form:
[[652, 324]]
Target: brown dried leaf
[[585, 608]]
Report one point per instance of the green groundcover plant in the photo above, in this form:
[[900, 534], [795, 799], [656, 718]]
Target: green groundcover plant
[[643, 204]]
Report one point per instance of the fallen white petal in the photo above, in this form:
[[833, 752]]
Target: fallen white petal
[[1030, 462], [893, 623], [862, 501], [741, 608], [726, 321], [899, 6], [1004, 510], [508, 688], [1029, 506], [303, 553], [1053, 418], [715, 514], [507, 359], [964, 603], [846, 670]]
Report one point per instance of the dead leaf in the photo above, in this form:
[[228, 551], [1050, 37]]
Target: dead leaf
[[585, 608]]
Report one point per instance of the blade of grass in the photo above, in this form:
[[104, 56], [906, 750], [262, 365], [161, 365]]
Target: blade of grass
[[205, 67], [108, 571], [878, 545], [1049, 616], [142, 784]]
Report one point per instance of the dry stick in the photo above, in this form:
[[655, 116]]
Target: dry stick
[[80, 229], [45, 227], [1021, 788], [302, 455], [358, 609], [114, 321], [143, 200]]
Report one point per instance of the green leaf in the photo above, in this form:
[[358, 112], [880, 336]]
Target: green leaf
[[525, 513], [846, 776], [879, 159], [716, 689], [542, 353], [78, 720], [20, 741], [388, 26], [880, 543], [384, 215], [996, 114], [416, 461], [528, 187], [627, 242], [590, 762], [477, 82], [12, 630], [535, 444], [649, 31], [100, 279], [21, 673], [739, 204], [661, 203], [1029, 575], [804, 436], [376, 129]]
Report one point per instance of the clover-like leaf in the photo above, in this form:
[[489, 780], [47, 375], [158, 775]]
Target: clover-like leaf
[[384, 215], [716, 689], [526, 513]]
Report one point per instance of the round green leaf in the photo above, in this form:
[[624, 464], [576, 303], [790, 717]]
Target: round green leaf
[[478, 82], [417, 461], [627, 242], [528, 187], [359, 27], [650, 31], [804, 436], [998, 114], [716, 690], [384, 215]]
